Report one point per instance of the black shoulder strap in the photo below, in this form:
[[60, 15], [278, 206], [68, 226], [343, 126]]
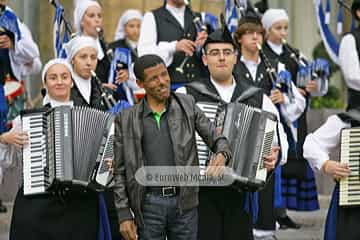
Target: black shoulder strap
[[202, 88], [251, 91], [351, 115]]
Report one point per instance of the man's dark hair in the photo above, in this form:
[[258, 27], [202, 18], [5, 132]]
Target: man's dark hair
[[145, 62], [354, 7]]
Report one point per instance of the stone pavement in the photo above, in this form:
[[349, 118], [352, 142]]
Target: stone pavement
[[312, 224], [5, 222]]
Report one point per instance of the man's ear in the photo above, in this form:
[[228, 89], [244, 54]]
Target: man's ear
[[204, 59]]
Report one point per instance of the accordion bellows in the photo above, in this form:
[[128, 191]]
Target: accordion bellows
[[67, 146], [250, 132]]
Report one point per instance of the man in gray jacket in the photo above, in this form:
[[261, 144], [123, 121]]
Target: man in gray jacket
[[160, 131]]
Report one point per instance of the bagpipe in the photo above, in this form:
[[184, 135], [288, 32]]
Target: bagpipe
[[62, 29], [62, 34], [281, 80], [12, 100], [120, 60], [200, 26], [317, 70]]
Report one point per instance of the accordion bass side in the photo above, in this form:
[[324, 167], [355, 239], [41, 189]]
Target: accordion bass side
[[69, 146], [250, 132], [349, 194]]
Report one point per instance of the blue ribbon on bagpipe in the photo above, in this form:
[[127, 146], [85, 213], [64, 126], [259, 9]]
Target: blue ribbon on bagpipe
[[320, 67], [9, 21], [231, 15], [121, 60], [210, 20], [61, 32], [323, 19]]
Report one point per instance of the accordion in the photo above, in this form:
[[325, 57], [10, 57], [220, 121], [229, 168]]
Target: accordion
[[349, 194], [67, 146], [250, 132]]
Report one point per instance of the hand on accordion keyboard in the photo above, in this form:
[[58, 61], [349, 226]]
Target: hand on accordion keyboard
[[335, 169], [216, 165], [271, 159], [109, 162], [16, 138], [128, 230]]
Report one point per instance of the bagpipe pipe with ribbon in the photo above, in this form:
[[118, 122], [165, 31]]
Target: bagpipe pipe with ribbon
[[62, 29], [121, 60], [63, 34], [11, 88], [317, 70]]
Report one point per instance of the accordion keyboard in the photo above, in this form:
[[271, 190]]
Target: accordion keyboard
[[350, 154], [34, 155], [210, 110]]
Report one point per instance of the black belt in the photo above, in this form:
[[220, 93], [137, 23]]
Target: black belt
[[168, 191]]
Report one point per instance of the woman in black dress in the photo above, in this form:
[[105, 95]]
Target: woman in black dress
[[74, 215]]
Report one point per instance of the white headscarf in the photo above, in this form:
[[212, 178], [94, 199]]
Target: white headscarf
[[124, 19], [272, 16], [49, 64], [80, 9], [78, 43]]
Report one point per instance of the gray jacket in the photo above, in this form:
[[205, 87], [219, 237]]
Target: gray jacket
[[184, 117]]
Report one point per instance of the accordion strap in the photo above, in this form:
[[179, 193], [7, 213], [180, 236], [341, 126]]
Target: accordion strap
[[202, 88], [350, 115], [249, 92]]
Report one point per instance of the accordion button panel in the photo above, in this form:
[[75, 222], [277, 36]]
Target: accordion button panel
[[350, 154], [34, 155], [210, 110]]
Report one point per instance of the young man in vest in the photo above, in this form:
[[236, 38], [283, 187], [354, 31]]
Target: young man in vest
[[252, 68], [225, 213], [170, 32]]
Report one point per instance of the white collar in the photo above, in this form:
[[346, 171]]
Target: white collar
[[101, 53], [250, 62], [277, 48], [226, 92], [132, 44], [84, 86], [180, 10], [55, 103]]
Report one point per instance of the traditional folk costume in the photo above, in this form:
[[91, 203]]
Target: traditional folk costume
[[160, 31]]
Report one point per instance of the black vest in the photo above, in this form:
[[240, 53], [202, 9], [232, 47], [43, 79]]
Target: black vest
[[354, 95], [103, 66], [168, 30], [283, 58], [263, 81], [95, 96], [254, 101]]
